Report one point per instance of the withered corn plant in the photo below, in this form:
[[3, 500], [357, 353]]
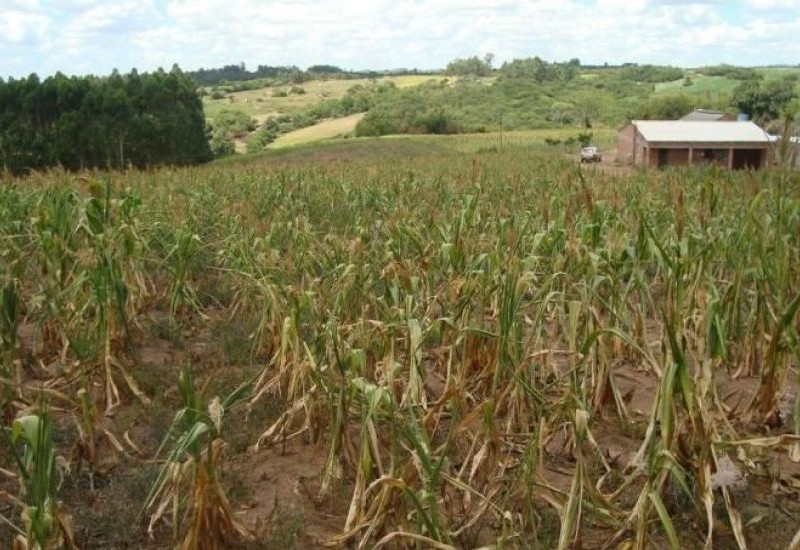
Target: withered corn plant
[[494, 333], [503, 351], [188, 492]]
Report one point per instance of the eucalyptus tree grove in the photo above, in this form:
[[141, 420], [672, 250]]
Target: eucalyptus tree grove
[[107, 122]]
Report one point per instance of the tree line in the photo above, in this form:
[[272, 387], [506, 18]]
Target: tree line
[[239, 73], [533, 68], [101, 122], [237, 78]]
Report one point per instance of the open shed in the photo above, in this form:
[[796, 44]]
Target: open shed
[[707, 114], [658, 143]]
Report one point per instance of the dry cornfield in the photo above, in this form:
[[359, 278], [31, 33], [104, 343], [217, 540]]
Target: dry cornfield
[[450, 350]]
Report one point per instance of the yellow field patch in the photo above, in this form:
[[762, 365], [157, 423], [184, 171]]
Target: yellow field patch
[[411, 80], [338, 127]]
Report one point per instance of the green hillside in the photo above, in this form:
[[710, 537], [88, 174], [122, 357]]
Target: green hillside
[[472, 97]]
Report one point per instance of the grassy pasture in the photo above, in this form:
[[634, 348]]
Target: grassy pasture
[[262, 102], [416, 341], [701, 85], [465, 143], [777, 72], [711, 86]]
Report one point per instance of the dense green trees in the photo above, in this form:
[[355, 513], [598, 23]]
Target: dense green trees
[[471, 66], [650, 73], [540, 70], [667, 107], [116, 121], [730, 71], [766, 101], [325, 69], [237, 78], [239, 73]]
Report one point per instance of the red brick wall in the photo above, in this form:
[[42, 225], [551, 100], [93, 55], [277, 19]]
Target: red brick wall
[[625, 145]]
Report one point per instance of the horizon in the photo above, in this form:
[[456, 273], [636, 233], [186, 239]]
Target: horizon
[[79, 37], [379, 71]]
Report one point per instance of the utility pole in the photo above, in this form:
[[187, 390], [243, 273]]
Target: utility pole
[[501, 130]]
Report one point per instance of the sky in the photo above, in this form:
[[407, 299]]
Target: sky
[[93, 36]]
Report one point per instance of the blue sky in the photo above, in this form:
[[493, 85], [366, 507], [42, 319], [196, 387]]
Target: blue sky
[[92, 36]]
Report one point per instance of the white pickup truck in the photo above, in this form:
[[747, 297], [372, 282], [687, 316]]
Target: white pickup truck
[[591, 154]]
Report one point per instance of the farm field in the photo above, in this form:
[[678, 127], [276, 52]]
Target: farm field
[[427, 341]]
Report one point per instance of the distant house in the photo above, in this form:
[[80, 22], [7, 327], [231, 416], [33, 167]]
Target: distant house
[[707, 115], [794, 149], [728, 144]]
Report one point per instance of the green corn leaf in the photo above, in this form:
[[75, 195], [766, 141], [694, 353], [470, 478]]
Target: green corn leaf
[[666, 522]]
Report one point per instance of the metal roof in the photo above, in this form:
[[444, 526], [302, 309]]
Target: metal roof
[[704, 114], [700, 131]]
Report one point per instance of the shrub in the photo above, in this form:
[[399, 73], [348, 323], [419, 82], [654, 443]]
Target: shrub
[[221, 146], [584, 138], [729, 71], [436, 123], [263, 137], [233, 124], [665, 108]]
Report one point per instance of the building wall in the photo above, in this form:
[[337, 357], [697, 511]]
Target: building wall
[[644, 154], [625, 141], [648, 157]]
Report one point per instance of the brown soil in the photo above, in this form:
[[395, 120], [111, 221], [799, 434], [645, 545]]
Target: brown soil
[[275, 490]]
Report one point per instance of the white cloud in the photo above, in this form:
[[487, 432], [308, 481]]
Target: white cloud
[[95, 36], [19, 27], [772, 4], [20, 5]]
